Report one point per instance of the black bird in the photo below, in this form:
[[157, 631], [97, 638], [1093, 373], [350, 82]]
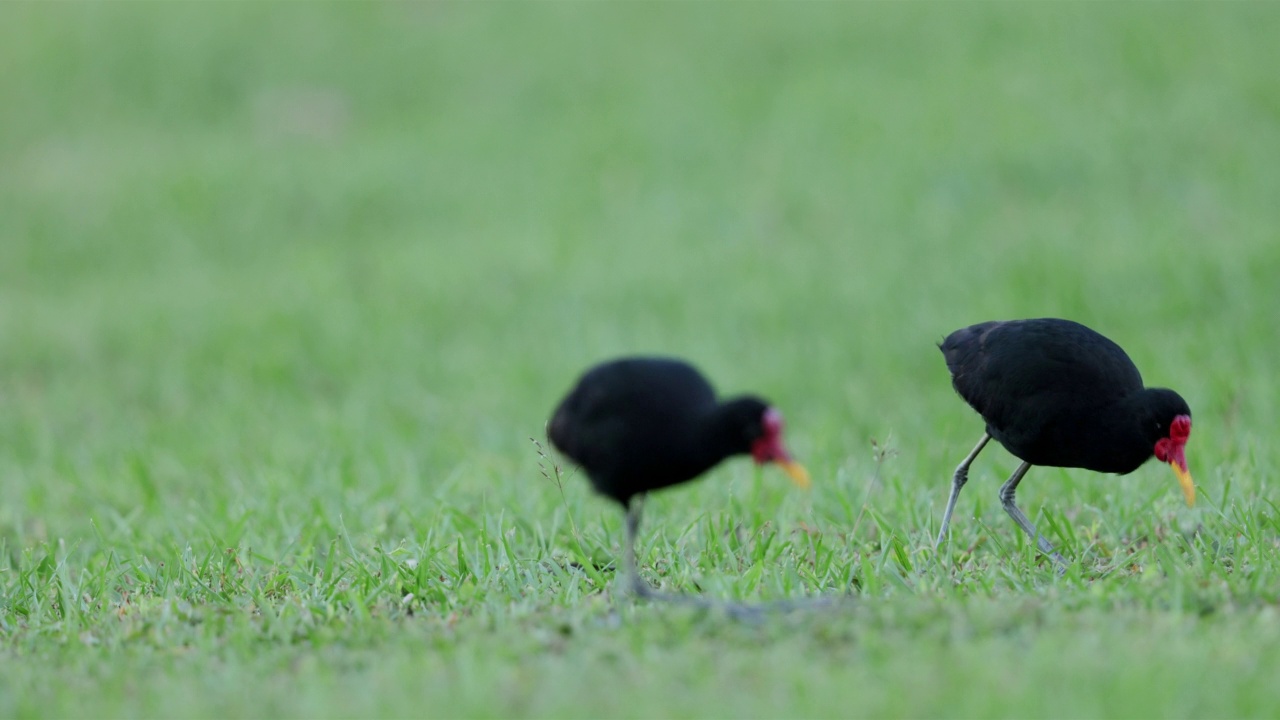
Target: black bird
[[638, 424], [1056, 393]]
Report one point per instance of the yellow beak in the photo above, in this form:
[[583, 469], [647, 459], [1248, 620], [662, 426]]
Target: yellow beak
[[796, 472], [1188, 485]]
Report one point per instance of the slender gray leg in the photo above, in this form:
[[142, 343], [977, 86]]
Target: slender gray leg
[[1007, 492], [634, 584], [957, 481]]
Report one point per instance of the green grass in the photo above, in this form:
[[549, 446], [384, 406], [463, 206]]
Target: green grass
[[285, 291]]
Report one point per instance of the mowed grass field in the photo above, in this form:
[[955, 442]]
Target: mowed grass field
[[287, 289]]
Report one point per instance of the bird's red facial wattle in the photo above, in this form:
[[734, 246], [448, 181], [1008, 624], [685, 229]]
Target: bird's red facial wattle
[[1171, 450], [769, 448]]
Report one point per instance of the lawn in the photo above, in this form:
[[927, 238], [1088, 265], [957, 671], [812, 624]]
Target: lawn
[[288, 292]]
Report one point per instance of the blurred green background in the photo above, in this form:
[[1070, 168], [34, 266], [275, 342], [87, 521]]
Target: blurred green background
[[273, 274]]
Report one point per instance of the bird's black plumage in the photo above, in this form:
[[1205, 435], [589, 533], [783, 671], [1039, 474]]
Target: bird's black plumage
[[1056, 393], [638, 424]]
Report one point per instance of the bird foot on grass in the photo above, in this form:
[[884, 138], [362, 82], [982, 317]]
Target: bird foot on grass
[[1059, 562], [639, 588], [745, 612]]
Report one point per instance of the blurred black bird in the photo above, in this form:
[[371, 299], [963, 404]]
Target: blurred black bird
[[638, 424], [1056, 393]]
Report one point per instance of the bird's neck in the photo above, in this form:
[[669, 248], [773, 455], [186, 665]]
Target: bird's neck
[[1126, 433], [1138, 415], [720, 433]]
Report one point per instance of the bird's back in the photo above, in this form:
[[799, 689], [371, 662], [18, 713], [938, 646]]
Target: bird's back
[[621, 421], [1034, 381]]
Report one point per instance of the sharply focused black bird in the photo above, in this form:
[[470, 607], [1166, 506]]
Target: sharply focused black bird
[[1056, 393], [642, 423]]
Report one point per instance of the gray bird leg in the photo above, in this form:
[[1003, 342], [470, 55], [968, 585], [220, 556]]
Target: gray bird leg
[[957, 482], [634, 584], [1007, 492]]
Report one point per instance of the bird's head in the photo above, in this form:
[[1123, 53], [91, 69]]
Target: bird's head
[[1172, 430], [767, 447]]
